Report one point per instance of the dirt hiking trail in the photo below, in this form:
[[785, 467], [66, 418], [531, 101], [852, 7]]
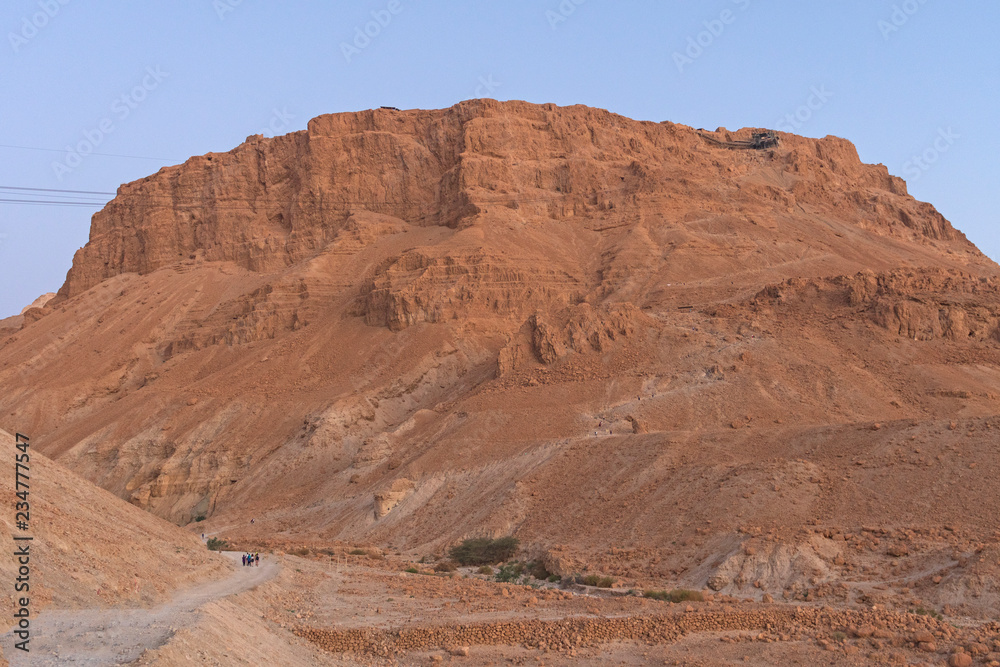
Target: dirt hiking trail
[[119, 636]]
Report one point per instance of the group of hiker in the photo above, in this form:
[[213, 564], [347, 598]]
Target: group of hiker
[[251, 559]]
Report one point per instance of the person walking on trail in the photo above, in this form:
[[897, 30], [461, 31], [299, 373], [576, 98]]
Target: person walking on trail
[[244, 558], [257, 559]]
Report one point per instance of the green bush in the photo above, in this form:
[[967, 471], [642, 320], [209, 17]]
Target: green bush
[[200, 517], [215, 544], [596, 580], [555, 578], [486, 569], [484, 551], [358, 552], [509, 573], [412, 570], [920, 611], [676, 595]]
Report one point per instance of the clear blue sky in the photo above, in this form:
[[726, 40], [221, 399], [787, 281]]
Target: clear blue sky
[[222, 75]]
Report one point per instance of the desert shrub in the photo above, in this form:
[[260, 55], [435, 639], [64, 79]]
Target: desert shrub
[[200, 517], [446, 566], [484, 551], [358, 552], [301, 551], [555, 578], [412, 570], [597, 580], [921, 611], [215, 544], [838, 636], [676, 595], [509, 573], [486, 569]]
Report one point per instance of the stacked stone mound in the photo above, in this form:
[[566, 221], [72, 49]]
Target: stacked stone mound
[[830, 628]]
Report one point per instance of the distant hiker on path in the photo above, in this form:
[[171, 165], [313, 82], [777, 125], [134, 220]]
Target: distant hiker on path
[[244, 558]]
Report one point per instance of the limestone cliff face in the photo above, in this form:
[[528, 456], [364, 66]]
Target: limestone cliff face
[[270, 203]]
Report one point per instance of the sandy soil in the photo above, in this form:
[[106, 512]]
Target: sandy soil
[[106, 636], [315, 607]]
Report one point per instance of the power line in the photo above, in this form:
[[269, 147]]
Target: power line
[[40, 202], [75, 192]]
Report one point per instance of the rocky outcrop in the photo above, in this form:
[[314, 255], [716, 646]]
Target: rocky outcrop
[[922, 305], [270, 203], [582, 328], [387, 499]]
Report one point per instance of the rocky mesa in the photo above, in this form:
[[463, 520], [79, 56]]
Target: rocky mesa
[[640, 351]]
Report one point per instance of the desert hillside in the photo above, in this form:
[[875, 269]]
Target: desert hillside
[[91, 549], [639, 351]]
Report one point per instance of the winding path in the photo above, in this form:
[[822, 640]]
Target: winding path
[[93, 637]]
